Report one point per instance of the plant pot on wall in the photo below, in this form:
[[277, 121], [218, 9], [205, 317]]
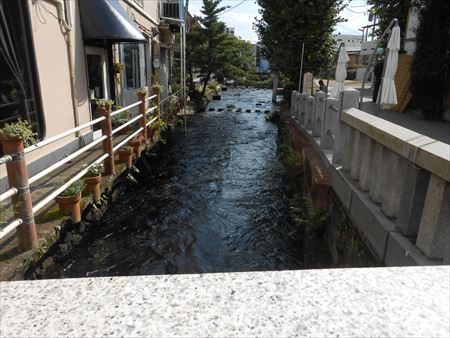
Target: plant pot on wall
[[126, 155], [93, 185], [70, 205], [136, 143]]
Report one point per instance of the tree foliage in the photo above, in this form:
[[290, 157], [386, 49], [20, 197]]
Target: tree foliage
[[285, 25], [211, 51], [386, 10], [430, 69]]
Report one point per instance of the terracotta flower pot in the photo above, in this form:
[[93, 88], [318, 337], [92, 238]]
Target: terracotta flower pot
[[11, 145], [141, 97], [124, 131], [70, 205], [136, 143], [126, 155], [93, 185]]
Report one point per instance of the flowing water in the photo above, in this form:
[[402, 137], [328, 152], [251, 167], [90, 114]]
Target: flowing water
[[211, 200]]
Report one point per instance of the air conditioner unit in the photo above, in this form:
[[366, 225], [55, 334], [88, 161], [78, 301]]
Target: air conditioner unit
[[170, 9]]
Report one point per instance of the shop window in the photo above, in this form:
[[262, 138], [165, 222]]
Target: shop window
[[19, 93]]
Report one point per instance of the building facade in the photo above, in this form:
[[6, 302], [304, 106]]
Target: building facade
[[58, 56]]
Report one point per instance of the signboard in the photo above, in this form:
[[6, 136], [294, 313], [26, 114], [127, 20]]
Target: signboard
[[308, 83]]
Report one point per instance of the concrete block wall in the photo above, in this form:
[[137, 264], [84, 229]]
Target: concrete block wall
[[393, 182]]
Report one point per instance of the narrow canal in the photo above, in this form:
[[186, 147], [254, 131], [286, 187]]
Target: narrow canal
[[212, 200]]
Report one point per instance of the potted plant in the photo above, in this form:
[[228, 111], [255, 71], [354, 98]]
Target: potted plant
[[69, 201], [157, 88], [93, 179], [104, 104], [126, 155], [158, 127], [136, 143], [118, 68], [120, 119], [16, 135], [142, 93]]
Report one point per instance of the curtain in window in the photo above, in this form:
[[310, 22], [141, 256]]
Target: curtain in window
[[7, 48]]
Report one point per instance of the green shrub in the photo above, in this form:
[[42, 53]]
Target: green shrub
[[104, 103], [121, 118]]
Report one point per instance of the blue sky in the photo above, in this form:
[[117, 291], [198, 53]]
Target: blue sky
[[242, 17]]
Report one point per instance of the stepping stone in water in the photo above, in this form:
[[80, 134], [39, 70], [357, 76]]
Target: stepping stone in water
[[248, 111], [212, 109], [216, 97], [258, 104], [266, 111], [238, 110], [257, 111], [220, 109]]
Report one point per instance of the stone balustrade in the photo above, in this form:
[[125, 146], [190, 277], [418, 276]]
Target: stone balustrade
[[393, 182]]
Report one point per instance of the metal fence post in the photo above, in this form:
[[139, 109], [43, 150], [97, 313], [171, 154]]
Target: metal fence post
[[22, 204], [108, 163], [143, 111]]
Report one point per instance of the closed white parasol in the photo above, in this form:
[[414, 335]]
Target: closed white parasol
[[341, 70], [388, 93]]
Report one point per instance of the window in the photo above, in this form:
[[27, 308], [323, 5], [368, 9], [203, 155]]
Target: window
[[133, 56], [19, 94]]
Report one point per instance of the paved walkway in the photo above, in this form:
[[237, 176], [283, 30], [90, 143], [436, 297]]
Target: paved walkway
[[438, 130]]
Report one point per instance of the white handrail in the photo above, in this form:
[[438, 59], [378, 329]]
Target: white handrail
[[126, 108], [8, 193], [10, 227], [5, 159], [61, 135], [150, 110], [55, 193], [65, 160], [151, 97], [134, 119], [115, 148]]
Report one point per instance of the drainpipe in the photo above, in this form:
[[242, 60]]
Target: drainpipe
[[67, 28]]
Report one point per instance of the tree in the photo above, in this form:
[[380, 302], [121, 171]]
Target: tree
[[212, 51], [430, 69], [285, 25], [386, 10]]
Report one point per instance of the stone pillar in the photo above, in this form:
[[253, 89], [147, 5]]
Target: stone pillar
[[310, 104], [376, 174], [22, 205], [433, 236], [276, 78], [303, 103], [319, 113], [108, 163], [367, 161], [357, 154], [330, 124], [394, 180], [293, 101], [412, 200]]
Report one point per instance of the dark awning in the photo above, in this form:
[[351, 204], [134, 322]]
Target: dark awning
[[107, 20]]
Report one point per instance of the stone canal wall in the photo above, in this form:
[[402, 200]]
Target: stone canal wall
[[391, 181]]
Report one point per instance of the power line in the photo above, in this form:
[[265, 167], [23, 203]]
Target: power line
[[228, 10]]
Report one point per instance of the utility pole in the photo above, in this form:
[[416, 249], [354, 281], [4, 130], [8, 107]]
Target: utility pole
[[301, 69]]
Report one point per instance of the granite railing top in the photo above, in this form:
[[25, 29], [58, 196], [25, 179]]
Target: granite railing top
[[422, 150], [396, 302]]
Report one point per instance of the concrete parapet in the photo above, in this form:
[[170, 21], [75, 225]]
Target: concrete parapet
[[293, 102]]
